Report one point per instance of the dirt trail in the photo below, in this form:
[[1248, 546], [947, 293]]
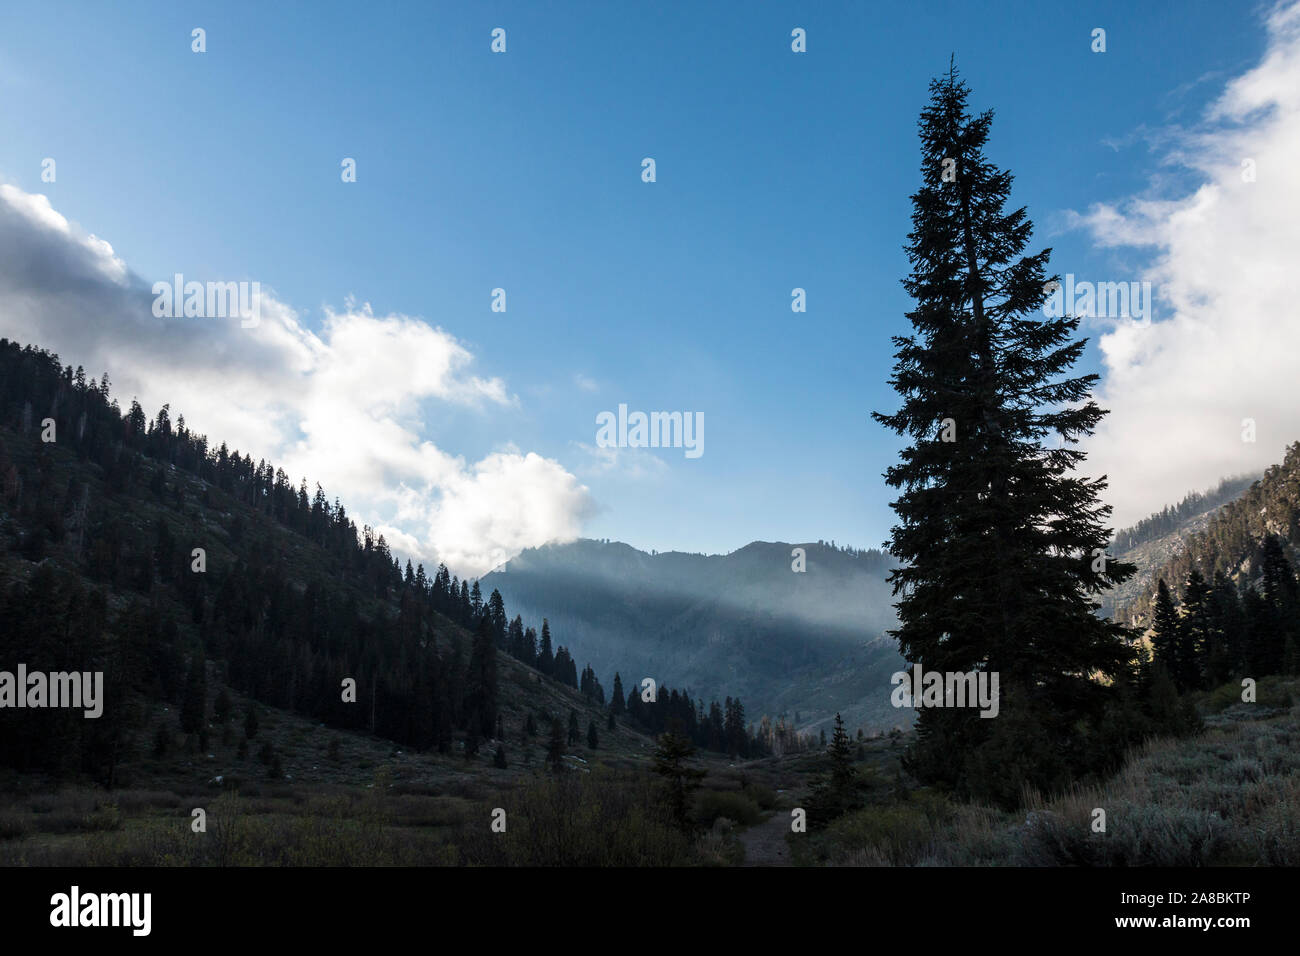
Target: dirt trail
[[764, 842]]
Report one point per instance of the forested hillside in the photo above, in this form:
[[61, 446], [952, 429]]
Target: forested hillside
[[1174, 517], [1232, 542], [133, 546], [1156, 540]]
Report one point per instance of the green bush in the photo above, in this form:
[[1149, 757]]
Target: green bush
[[597, 819], [900, 834], [1135, 836], [13, 826], [761, 794], [734, 805]]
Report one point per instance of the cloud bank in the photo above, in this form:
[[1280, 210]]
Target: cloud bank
[[342, 406], [1225, 344]]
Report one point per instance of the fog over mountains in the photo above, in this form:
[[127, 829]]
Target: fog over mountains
[[809, 643], [742, 623]]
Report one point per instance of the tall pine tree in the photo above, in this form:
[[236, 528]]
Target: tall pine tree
[[1165, 637], [481, 680], [545, 655], [1001, 544]]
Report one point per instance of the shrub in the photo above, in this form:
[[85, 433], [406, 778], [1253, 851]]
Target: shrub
[[161, 740], [597, 819], [761, 794], [899, 834], [13, 826], [734, 805]]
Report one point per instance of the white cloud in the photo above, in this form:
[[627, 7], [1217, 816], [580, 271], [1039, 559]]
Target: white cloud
[[511, 502], [1225, 342], [36, 209], [342, 406]]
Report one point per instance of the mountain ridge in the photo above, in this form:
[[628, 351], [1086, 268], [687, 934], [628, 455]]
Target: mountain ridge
[[777, 635]]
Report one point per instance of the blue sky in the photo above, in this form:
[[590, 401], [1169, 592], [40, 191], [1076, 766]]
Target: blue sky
[[522, 170]]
